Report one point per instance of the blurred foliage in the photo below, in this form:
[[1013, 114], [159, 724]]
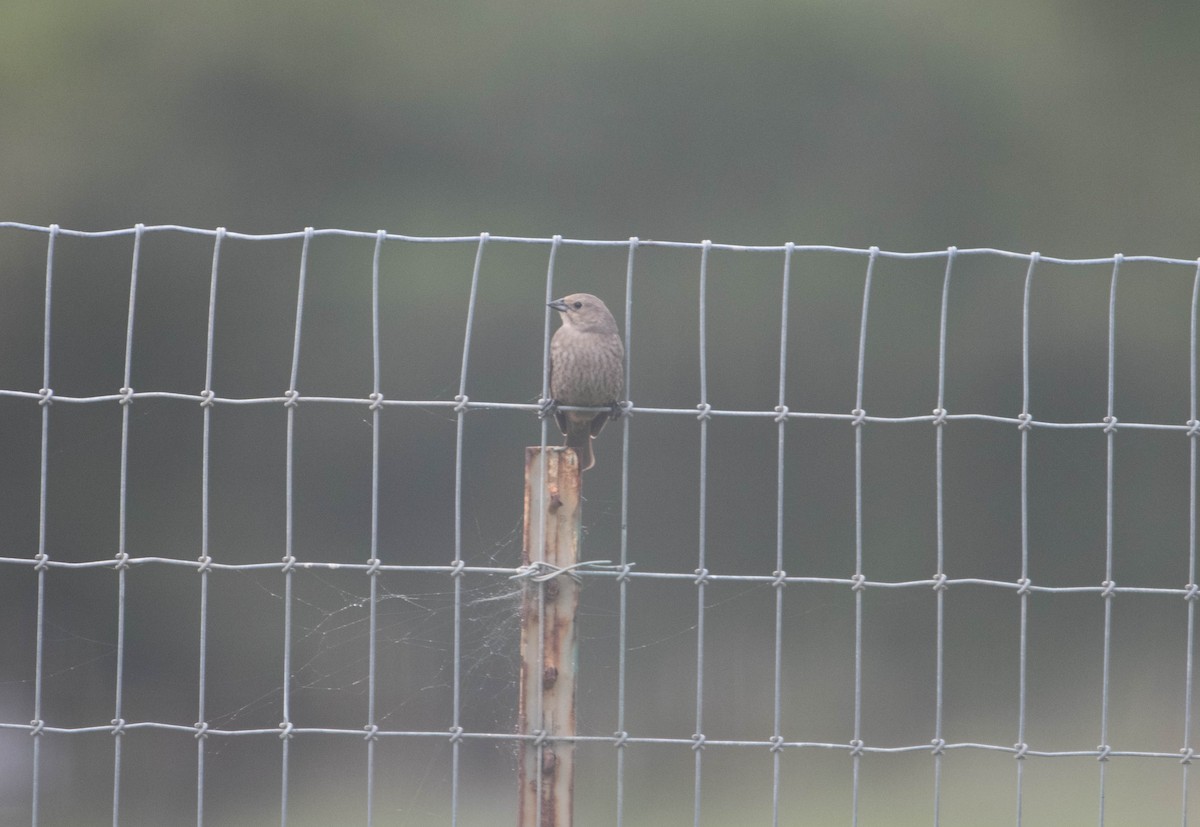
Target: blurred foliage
[[1035, 125], [1063, 127]]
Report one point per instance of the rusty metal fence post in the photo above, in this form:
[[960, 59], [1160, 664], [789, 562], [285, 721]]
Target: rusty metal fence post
[[549, 644]]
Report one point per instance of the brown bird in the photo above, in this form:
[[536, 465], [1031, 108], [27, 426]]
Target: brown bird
[[587, 366]]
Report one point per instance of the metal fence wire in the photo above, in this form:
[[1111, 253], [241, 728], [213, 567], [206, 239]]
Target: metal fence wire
[[732, 768]]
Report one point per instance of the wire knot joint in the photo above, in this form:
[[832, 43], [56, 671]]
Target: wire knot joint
[[541, 571]]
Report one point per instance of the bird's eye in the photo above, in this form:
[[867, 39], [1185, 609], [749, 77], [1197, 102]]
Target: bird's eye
[[577, 305]]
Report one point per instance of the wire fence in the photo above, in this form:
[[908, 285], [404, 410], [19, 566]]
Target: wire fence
[[784, 738]]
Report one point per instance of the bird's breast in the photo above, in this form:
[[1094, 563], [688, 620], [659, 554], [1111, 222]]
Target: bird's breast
[[586, 369]]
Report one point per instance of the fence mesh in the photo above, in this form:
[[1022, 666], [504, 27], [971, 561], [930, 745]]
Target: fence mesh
[[786, 702]]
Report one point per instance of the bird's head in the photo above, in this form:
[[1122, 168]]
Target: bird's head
[[585, 312]]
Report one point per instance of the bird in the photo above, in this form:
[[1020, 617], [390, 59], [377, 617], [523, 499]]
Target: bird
[[587, 366]]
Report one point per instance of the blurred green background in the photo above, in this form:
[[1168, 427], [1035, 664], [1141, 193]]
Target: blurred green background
[[1056, 126]]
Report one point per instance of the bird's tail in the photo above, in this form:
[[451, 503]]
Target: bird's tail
[[579, 437]]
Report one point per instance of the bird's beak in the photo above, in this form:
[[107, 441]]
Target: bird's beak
[[559, 305]]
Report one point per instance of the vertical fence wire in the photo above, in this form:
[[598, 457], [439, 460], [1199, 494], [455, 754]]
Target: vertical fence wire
[[45, 395], [373, 562], [623, 580], [544, 436], [1023, 583], [701, 565], [859, 579], [538, 715], [544, 430], [205, 560], [1110, 431], [939, 577], [780, 576], [289, 557], [122, 565], [1189, 664], [460, 408]]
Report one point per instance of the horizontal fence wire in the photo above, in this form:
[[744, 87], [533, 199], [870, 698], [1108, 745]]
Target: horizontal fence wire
[[623, 572], [54, 229]]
